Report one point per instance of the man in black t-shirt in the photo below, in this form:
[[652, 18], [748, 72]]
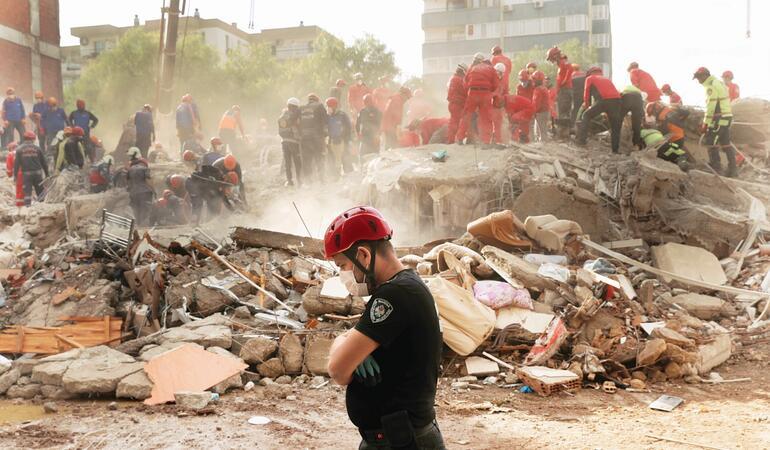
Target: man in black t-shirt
[[390, 360]]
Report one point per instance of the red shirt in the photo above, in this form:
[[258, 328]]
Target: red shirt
[[601, 87], [645, 83], [430, 126], [674, 98], [356, 96], [564, 76], [394, 113], [733, 90], [381, 96], [540, 99], [482, 77], [520, 106], [456, 91], [409, 139], [508, 66], [552, 100], [525, 91]]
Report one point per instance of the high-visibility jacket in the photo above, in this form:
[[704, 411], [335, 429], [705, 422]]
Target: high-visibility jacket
[[230, 120], [381, 96], [525, 91], [733, 90], [518, 106], [394, 113], [651, 137], [717, 102]]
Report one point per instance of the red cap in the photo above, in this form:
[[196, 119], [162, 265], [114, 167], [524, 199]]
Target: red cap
[[362, 223], [77, 131], [332, 102]]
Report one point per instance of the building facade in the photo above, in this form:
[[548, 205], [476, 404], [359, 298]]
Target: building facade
[[29, 48], [456, 29], [291, 42]]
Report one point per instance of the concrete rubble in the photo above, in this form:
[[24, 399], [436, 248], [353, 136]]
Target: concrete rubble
[[624, 270]]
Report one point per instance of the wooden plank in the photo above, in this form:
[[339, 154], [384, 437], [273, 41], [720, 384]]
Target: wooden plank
[[626, 243], [254, 237], [559, 169], [47, 340], [69, 341], [64, 295], [19, 338]]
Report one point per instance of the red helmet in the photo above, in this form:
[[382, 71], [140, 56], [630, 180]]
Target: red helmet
[[524, 75], [332, 102], [553, 54], [727, 74], [340, 83], [405, 91], [232, 178], [189, 156], [633, 65], [162, 202], [496, 50], [532, 65], [701, 72], [77, 131], [230, 163], [666, 88], [538, 76], [594, 70], [215, 141], [167, 193], [12, 146], [368, 100], [176, 181], [31, 136], [362, 223]]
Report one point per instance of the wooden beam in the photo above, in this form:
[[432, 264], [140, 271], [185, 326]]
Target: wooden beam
[[254, 237], [69, 341]]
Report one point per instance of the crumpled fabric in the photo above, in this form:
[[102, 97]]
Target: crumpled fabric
[[497, 294]]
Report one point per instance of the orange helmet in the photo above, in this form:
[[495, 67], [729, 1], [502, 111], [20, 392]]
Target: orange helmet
[[332, 102], [496, 50], [189, 156], [30, 136], [666, 88], [232, 178], [594, 70], [532, 65], [95, 140], [230, 163], [77, 131]]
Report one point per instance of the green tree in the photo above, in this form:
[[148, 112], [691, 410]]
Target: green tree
[[370, 57], [577, 52]]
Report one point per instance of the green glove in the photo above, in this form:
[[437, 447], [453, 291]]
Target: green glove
[[368, 372]]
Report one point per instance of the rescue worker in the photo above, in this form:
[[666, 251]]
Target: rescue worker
[[499, 58], [644, 81], [607, 100], [9, 159], [30, 164], [53, 119], [428, 127], [215, 152], [653, 138], [140, 193], [158, 154], [531, 67], [170, 210], [338, 91], [36, 116], [541, 104], [390, 360], [288, 129], [578, 83], [382, 94], [456, 95], [356, 94], [673, 98], [419, 106], [393, 116], [368, 126], [145, 129], [71, 153], [12, 172], [564, 91], [231, 120], [177, 184], [340, 132], [672, 122], [498, 105], [409, 137], [187, 119], [313, 130], [100, 175], [631, 102], [733, 90], [226, 165], [481, 82], [520, 111], [525, 88], [716, 122], [84, 119], [98, 148], [14, 117]]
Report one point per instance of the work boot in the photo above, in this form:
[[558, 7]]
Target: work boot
[[732, 167], [715, 160], [683, 163]]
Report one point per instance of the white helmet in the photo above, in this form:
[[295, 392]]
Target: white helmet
[[500, 67], [108, 159], [293, 101], [134, 152], [358, 75], [479, 57]]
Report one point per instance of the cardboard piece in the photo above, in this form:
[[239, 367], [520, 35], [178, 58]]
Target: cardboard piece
[[187, 368], [532, 321], [476, 365]]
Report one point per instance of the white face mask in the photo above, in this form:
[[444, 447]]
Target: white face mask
[[360, 81], [355, 288]]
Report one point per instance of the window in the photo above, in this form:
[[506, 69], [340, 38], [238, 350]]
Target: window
[[600, 12], [578, 22], [227, 42], [600, 40], [551, 24], [532, 26], [100, 46], [456, 34]]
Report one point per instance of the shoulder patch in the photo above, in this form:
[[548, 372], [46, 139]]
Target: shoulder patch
[[380, 310], [709, 91]]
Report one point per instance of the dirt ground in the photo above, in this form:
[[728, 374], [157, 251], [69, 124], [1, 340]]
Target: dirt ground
[[726, 416]]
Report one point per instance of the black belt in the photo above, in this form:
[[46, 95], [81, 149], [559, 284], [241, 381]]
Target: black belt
[[378, 435], [479, 89]]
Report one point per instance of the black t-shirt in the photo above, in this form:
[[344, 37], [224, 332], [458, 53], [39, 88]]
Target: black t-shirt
[[401, 316]]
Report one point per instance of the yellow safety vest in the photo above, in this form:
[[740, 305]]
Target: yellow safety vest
[[717, 102]]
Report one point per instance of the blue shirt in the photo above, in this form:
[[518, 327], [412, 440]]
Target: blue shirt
[[83, 118], [39, 107], [143, 123], [53, 120], [14, 109], [186, 114]]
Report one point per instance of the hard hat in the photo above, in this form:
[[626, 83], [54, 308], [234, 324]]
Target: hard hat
[[538, 76], [39, 94], [417, 93], [77, 131], [236, 108], [186, 98], [479, 57], [553, 54], [358, 76], [147, 106], [12, 146], [701, 72], [232, 178], [189, 156], [67, 131], [500, 67], [293, 101], [108, 159], [594, 70], [368, 100], [162, 202], [727, 74], [176, 181], [462, 67], [523, 74], [230, 163], [532, 65], [81, 104], [95, 140], [313, 98], [340, 82], [215, 141], [332, 102], [666, 88], [362, 223], [134, 153], [30, 136], [405, 91], [52, 101], [167, 193], [633, 65], [496, 50]]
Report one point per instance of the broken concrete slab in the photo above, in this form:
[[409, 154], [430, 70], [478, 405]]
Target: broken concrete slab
[[25, 365], [272, 368], [317, 354], [26, 391], [137, 386], [55, 393], [478, 366], [98, 370], [291, 352], [688, 261], [672, 337], [50, 372], [233, 382], [206, 336], [192, 400], [701, 306], [258, 350], [651, 352], [714, 354], [8, 379]]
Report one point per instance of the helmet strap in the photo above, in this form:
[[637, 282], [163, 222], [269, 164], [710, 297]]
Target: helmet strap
[[368, 272]]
